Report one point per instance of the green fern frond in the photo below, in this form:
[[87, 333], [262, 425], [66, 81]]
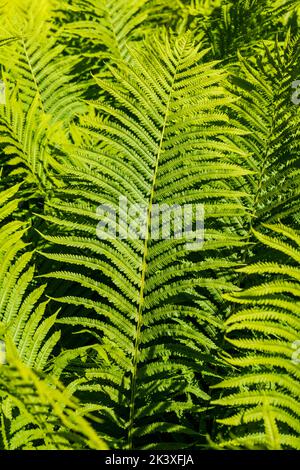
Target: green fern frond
[[41, 96], [22, 312], [143, 291], [263, 85], [37, 412], [108, 27], [266, 393]]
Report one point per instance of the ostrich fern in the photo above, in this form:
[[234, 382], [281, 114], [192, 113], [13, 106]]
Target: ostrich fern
[[121, 339], [263, 395]]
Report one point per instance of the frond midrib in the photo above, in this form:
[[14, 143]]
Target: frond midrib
[[145, 261]]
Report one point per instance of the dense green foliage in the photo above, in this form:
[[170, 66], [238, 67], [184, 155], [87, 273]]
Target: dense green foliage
[[143, 342]]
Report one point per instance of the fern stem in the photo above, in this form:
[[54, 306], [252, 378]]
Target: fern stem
[[145, 264]]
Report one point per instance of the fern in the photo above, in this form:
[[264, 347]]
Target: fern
[[265, 87], [28, 399], [263, 394], [22, 311], [147, 331], [107, 23], [38, 413], [41, 99], [164, 105]]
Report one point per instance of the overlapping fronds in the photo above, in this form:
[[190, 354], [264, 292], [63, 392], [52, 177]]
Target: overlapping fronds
[[37, 412], [150, 173], [228, 31], [264, 87], [41, 99], [22, 311], [108, 26]]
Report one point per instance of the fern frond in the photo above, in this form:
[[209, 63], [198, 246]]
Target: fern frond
[[144, 291], [108, 27], [265, 395], [22, 312], [37, 413]]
